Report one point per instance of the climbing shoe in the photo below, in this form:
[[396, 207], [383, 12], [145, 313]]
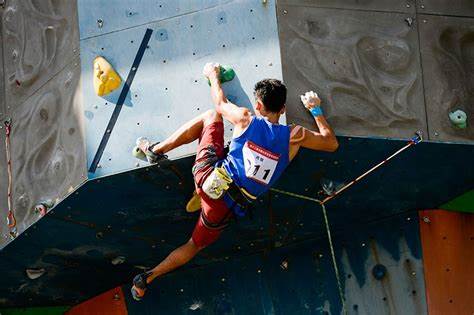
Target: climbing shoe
[[145, 150], [194, 204], [139, 286]]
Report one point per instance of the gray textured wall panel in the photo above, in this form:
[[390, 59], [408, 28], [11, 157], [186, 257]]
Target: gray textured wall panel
[[3, 160], [446, 7], [376, 5], [447, 48], [364, 65], [2, 82], [47, 145], [40, 41], [40, 38]]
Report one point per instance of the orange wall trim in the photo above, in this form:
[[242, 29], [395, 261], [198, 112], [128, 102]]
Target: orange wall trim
[[448, 257], [110, 302]]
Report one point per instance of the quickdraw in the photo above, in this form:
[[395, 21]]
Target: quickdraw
[[11, 220]]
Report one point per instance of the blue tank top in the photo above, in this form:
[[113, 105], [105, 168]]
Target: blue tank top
[[257, 158]]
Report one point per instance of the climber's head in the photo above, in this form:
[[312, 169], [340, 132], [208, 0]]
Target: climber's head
[[270, 97]]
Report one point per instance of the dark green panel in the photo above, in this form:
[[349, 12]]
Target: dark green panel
[[463, 203], [59, 310]]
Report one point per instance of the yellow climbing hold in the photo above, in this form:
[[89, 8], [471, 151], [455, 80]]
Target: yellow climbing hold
[[194, 204], [105, 78]]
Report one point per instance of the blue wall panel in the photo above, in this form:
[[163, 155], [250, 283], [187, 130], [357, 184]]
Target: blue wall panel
[[117, 15], [169, 87]]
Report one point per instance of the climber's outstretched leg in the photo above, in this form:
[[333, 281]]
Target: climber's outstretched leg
[[187, 133], [209, 129], [175, 259]]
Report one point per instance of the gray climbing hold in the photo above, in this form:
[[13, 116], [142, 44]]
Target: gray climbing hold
[[458, 118], [118, 260], [35, 273]]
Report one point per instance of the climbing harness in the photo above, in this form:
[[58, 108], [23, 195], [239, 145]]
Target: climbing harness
[[413, 141], [11, 220]]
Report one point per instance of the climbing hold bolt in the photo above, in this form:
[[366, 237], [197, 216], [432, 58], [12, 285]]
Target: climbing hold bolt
[[100, 23], [379, 271], [284, 265], [426, 220], [458, 119]]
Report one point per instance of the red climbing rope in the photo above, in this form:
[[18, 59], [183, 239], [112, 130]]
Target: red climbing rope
[[11, 220], [415, 140]]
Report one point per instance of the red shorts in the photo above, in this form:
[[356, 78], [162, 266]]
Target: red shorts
[[214, 215]]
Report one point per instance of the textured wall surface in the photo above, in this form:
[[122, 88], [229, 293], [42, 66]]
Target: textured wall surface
[[448, 252], [376, 5], [447, 49], [41, 38], [376, 62], [443, 7], [3, 165], [169, 88], [41, 75], [365, 65]]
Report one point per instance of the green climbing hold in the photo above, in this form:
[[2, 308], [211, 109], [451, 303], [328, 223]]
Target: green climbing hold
[[458, 118], [226, 74], [138, 153]]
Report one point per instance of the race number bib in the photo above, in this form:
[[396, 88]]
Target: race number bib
[[259, 163]]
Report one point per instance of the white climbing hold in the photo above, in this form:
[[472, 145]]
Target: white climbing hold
[[118, 260], [196, 305], [35, 273]]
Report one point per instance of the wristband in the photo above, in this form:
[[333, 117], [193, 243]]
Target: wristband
[[316, 111]]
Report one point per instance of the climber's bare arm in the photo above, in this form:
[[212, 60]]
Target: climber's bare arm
[[322, 140], [240, 117]]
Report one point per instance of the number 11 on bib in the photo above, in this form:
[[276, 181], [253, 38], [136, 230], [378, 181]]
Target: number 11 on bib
[[260, 164]]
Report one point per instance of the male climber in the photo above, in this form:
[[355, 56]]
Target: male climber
[[259, 152]]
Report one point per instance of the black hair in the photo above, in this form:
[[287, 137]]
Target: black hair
[[272, 93]]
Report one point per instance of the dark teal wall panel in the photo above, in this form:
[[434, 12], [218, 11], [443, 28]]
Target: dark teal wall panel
[[299, 279], [140, 215]]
